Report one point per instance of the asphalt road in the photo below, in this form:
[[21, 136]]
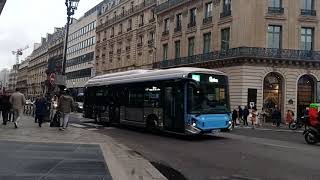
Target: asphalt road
[[243, 154]]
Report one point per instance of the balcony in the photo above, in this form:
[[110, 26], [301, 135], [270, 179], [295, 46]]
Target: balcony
[[192, 24], [151, 43], [165, 33], [207, 20], [225, 13], [152, 20], [139, 45], [129, 28], [111, 36], [110, 52], [243, 53], [308, 12], [168, 4], [119, 51], [141, 24], [128, 48], [120, 32], [275, 10], [177, 29]]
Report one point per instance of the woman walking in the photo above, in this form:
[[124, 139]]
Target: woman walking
[[41, 105]]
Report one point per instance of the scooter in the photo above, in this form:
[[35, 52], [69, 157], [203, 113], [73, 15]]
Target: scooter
[[311, 135], [294, 125]]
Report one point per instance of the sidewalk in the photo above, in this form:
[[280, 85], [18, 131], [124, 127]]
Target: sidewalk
[[30, 152], [271, 127]]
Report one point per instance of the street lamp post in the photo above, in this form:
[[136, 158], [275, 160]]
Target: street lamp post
[[71, 7]]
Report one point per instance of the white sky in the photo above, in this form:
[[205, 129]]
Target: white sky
[[24, 22]]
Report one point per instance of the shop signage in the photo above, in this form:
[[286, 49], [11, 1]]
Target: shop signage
[[318, 92]]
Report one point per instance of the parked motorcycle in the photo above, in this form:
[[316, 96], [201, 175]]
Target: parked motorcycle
[[299, 123], [311, 135]]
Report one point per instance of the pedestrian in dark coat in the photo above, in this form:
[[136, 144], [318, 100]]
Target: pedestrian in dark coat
[[240, 114], [234, 117], [276, 116], [245, 116], [41, 109], [5, 107]]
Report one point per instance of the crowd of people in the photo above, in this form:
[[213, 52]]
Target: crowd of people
[[12, 107], [255, 117]]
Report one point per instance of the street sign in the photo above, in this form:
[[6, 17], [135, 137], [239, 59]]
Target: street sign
[[52, 78]]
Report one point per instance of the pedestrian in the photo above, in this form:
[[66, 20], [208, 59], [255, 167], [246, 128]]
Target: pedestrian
[[41, 105], [276, 116], [290, 117], [234, 117], [5, 107], [18, 101], [245, 116], [254, 115], [53, 107], [65, 106], [240, 114]]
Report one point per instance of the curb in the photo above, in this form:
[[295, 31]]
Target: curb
[[271, 129]]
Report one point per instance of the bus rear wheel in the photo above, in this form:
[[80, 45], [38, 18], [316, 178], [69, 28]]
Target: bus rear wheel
[[152, 123]]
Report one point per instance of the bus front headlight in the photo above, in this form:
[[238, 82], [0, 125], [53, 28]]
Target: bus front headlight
[[194, 124]]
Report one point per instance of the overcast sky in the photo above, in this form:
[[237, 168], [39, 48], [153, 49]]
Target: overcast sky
[[24, 22]]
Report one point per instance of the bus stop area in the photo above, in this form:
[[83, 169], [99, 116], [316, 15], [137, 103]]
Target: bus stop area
[[30, 152]]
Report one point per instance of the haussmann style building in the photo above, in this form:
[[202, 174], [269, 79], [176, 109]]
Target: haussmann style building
[[268, 48]]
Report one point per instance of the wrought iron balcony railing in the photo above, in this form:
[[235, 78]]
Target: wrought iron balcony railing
[[308, 12], [243, 52], [225, 13], [192, 24], [207, 20], [177, 29], [275, 10]]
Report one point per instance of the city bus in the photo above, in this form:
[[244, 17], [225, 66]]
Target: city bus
[[182, 100]]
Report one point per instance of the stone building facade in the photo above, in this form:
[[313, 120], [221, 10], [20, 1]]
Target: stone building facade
[[37, 68], [126, 36], [22, 76], [268, 48], [55, 57]]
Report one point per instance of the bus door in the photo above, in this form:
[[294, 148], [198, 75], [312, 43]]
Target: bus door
[[173, 108]]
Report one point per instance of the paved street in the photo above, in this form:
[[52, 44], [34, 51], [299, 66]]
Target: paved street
[[242, 154]]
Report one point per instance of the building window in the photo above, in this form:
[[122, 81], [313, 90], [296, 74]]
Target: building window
[[193, 17], [177, 49], [307, 8], [165, 52], [122, 10], [225, 39], [208, 10], [115, 14], [141, 20], [307, 38], [275, 7], [274, 36], [178, 22], [226, 8], [120, 28], [307, 4], [166, 26], [140, 41], [275, 3], [129, 24], [112, 32], [191, 46], [206, 43]]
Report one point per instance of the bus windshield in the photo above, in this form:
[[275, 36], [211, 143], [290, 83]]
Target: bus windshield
[[210, 96]]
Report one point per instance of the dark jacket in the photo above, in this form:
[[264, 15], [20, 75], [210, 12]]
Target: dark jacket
[[5, 103], [240, 112], [246, 112], [234, 114], [41, 107], [65, 104]]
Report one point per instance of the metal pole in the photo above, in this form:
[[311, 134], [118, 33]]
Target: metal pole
[[65, 47]]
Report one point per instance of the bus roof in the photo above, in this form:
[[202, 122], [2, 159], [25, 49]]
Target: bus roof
[[140, 75]]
